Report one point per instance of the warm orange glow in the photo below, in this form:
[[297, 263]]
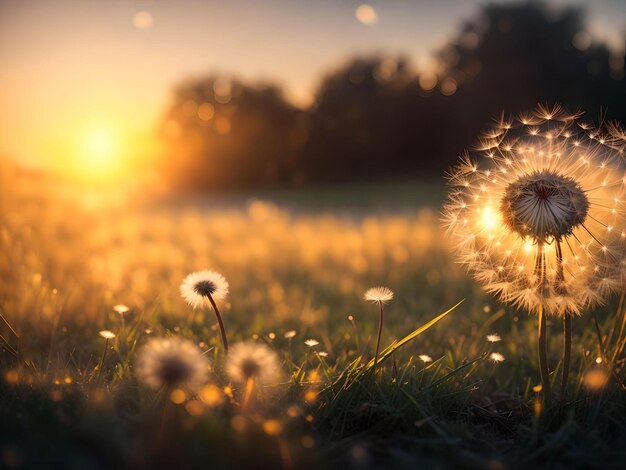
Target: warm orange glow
[[97, 153]]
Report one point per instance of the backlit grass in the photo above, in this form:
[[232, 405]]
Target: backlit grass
[[67, 260]]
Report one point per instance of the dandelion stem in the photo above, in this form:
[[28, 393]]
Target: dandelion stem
[[567, 350], [220, 322], [543, 359], [380, 331], [104, 355], [247, 393], [567, 322]]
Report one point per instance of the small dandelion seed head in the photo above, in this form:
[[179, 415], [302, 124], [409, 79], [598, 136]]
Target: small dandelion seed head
[[496, 357], [311, 342], [106, 334], [197, 287], [256, 361], [290, 334], [322, 354], [121, 309], [172, 362], [425, 358], [493, 338], [378, 295]]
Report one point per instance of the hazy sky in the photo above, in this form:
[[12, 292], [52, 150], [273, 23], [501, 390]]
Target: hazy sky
[[69, 66]]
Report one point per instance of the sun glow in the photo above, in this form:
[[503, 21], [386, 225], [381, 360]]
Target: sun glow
[[99, 149]]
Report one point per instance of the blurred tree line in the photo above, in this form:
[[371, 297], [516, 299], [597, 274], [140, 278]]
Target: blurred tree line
[[374, 118]]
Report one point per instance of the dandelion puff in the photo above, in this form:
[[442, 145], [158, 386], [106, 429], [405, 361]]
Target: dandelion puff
[[172, 362], [121, 309], [198, 287], [378, 294], [204, 288], [425, 358], [538, 218], [496, 357], [255, 360], [252, 366], [107, 335], [311, 342], [290, 334], [493, 338]]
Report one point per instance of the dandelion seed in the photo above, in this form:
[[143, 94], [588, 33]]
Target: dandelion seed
[[378, 294], [172, 362], [290, 334], [493, 338], [204, 288], [106, 334], [311, 342], [496, 357], [425, 358]]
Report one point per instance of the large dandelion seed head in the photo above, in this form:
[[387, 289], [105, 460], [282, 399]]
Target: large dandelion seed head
[[197, 287], [172, 362], [537, 212], [253, 361]]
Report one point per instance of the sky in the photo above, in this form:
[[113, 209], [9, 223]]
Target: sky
[[95, 76]]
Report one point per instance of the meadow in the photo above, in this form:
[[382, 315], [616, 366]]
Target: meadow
[[298, 264]]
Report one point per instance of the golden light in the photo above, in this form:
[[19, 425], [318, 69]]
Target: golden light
[[99, 150], [490, 218], [366, 14]]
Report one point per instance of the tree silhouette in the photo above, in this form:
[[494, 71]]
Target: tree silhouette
[[224, 134], [374, 118]]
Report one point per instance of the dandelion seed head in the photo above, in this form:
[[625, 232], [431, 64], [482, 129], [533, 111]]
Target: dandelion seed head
[[496, 357], [493, 338], [548, 231], [311, 342], [252, 360], [106, 334], [172, 362], [121, 309], [197, 287], [378, 295], [322, 354], [290, 334], [425, 358]]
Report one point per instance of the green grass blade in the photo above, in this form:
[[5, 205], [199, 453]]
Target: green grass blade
[[410, 337]]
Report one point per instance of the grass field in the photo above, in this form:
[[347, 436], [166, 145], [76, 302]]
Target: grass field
[[295, 261]]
